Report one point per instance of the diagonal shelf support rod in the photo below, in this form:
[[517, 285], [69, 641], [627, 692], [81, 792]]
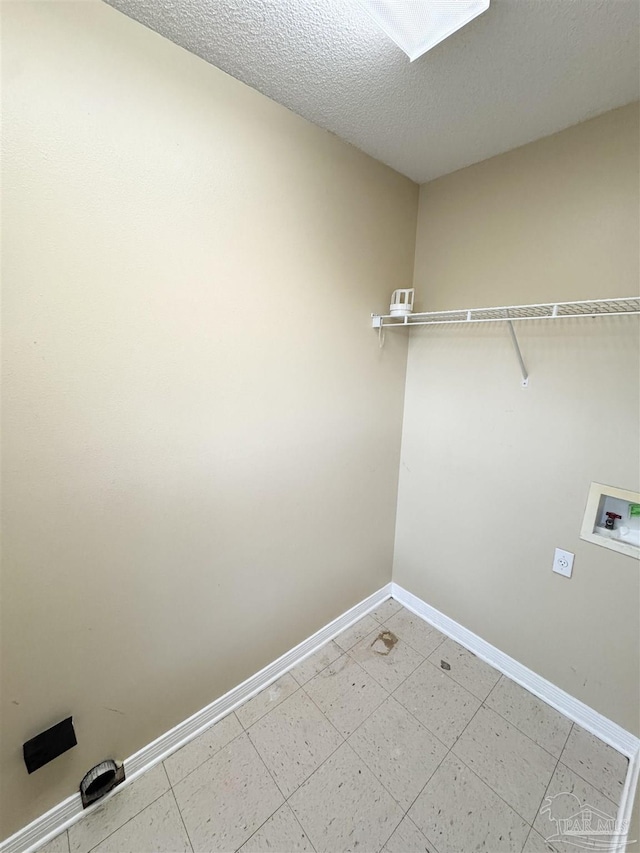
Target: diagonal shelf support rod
[[516, 346]]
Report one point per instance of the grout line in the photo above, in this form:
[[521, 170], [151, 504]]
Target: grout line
[[419, 721], [604, 729], [558, 759], [273, 707], [423, 834], [499, 796], [524, 734], [295, 817], [323, 668], [427, 658], [511, 723], [384, 621], [388, 693], [531, 831], [430, 627], [268, 687], [479, 660], [208, 758], [375, 778], [384, 627], [477, 775], [324, 761], [380, 782], [424, 725], [446, 755], [137, 814], [590, 784], [445, 673], [333, 726], [344, 741], [275, 781], [580, 776], [173, 793], [513, 808], [213, 755], [566, 740], [386, 841], [358, 641], [526, 841], [495, 687], [528, 736], [546, 789], [237, 849], [286, 799], [437, 739], [471, 719], [449, 751]]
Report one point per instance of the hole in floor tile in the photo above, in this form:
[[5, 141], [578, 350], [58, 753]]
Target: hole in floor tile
[[384, 642]]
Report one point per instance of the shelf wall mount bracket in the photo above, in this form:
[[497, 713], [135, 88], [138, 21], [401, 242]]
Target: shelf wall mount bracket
[[376, 322]]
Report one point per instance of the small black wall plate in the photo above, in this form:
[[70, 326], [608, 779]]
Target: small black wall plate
[[46, 746]]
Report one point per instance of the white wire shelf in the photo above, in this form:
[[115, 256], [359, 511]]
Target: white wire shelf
[[509, 314], [548, 311]]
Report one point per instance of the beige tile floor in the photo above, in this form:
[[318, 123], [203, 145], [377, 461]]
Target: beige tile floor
[[367, 746]]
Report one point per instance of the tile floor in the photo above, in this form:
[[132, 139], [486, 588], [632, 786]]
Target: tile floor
[[391, 738]]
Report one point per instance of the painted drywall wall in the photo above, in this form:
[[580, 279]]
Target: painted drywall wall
[[201, 435], [494, 477]]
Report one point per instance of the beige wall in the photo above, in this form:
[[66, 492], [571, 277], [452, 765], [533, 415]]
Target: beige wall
[[494, 477], [201, 437], [191, 487]]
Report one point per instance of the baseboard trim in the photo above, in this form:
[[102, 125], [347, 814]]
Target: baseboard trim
[[69, 811], [594, 722]]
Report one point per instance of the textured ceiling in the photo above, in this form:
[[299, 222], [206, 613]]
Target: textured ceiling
[[522, 70]]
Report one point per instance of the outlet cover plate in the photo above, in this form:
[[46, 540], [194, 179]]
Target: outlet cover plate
[[563, 562]]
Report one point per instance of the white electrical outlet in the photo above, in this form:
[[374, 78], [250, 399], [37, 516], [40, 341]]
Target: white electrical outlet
[[563, 562]]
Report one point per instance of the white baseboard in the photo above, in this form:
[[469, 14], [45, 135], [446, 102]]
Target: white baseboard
[[603, 728], [69, 811]]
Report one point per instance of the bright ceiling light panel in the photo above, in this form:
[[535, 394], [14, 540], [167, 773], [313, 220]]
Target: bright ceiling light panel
[[418, 25]]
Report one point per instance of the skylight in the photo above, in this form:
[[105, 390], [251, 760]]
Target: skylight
[[418, 25]]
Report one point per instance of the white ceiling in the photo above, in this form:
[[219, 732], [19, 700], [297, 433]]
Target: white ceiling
[[522, 70]]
